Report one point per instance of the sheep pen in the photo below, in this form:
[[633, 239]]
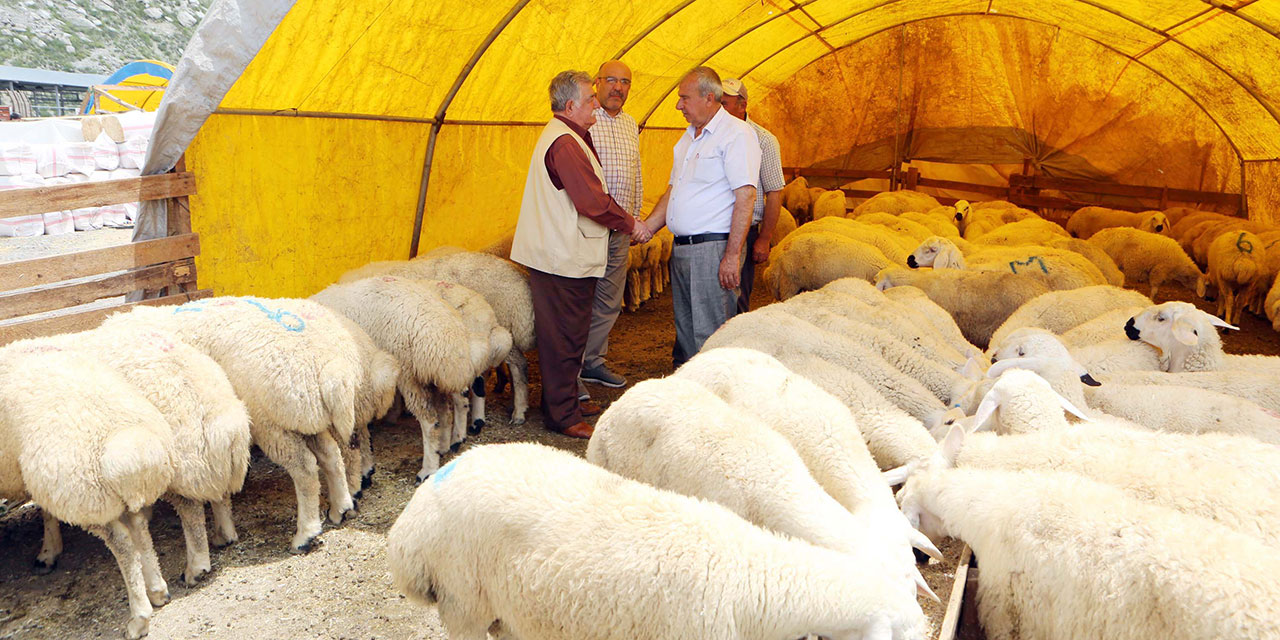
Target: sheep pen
[[343, 589]]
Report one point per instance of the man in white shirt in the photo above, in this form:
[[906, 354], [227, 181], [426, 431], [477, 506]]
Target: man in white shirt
[[707, 206], [617, 139], [768, 190]]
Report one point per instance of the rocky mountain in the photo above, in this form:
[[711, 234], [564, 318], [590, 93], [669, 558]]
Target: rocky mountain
[[95, 36]]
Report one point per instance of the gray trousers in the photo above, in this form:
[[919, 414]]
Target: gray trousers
[[608, 301], [699, 304]]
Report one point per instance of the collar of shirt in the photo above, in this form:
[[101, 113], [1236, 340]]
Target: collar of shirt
[[711, 125], [582, 133], [601, 113]]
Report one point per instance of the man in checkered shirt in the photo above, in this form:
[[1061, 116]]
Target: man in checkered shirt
[[768, 190], [617, 139]]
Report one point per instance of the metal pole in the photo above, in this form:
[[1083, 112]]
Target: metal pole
[[57, 98]]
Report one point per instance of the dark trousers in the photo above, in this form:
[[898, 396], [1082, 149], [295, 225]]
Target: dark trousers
[[748, 270], [562, 318]]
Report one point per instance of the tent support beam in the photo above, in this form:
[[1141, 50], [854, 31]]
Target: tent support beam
[[440, 114]]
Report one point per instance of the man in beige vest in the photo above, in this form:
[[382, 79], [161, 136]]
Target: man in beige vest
[[562, 236]]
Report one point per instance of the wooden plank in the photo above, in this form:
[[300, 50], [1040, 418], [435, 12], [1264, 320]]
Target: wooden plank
[[952, 616], [47, 270], [856, 174], [956, 185], [22, 202], [1125, 190], [25, 302], [84, 320]]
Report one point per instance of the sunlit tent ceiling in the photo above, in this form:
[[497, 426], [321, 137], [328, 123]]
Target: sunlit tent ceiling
[[317, 157]]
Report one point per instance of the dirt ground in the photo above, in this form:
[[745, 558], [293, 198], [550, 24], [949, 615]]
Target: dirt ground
[[343, 589]]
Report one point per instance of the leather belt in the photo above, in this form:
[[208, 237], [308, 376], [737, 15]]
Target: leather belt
[[701, 237]]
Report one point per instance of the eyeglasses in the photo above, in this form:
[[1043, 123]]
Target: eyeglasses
[[626, 82]]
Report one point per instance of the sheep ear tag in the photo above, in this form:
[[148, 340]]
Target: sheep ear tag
[[1185, 333]]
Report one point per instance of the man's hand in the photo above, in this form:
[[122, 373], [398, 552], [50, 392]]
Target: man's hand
[[640, 233], [730, 272], [760, 249]]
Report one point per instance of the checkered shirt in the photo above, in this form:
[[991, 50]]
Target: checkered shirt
[[617, 140], [770, 169]]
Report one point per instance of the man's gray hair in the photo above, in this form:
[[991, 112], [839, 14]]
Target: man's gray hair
[[708, 82], [566, 86]]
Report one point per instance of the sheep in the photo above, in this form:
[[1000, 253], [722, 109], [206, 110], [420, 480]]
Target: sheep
[[374, 398], [674, 434], [426, 335], [504, 531], [1027, 231], [860, 304], [1272, 304], [980, 301], [1166, 407], [1066, 557], [1106, 327], [916, 303], [1199, 250], [1061, 311], [1056, 268], [936, 377], [938, 224], [209, 425], [1092, 253], [1090, 220], [1188, 341], [892, 434], [796, 197], [894, 246], [1255, 296], [1236, 261], [791, 332], [508, 301], [810, 260], [829, 204], [822, 431], [1201, 475], [902, 226], [1149, 257], [297, 371], [896, 202], [1185, 222], [93, 458]]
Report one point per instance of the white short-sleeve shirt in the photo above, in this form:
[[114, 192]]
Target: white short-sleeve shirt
[[704, 172]]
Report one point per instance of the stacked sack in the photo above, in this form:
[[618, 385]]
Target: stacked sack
[[54, 152]]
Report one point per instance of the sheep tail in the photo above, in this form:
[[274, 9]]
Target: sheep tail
[[339, 397], [135, 466]]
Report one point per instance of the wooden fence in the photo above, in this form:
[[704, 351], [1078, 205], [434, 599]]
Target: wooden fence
[[39, 296], [1027, 190]]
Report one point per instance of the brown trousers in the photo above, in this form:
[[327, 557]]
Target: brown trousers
[[562, 319]]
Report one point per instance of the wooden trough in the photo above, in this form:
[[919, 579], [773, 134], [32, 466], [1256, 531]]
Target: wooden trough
[[960, 622], [43, 296]]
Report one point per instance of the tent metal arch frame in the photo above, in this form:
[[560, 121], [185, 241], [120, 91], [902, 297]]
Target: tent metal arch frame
[[1266, 106]]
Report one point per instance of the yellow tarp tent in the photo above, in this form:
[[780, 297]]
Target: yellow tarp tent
[[355, 118]]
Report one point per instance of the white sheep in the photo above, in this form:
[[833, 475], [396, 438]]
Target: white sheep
[[894, 246], [1150, 257], [1188, 340], [935, 376], [1236, 262], [807, 261], [1092, 253], [1230, 479], [783, 331], [503, 532], [911, 323], [1065, 557], [674, 434], [374, 398], [980, 301], [829, 204], [210, 425], [895, 202], [1090, 220], [93, 458], [487, 290], [1057, 268], [915, 303], [1030, 230], [1061, 311], [821, 430], [1106, 327], [411, 321], [296, 369], [1272, 305], [796, 197]]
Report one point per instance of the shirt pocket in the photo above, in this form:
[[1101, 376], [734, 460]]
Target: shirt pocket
[[708, 168]]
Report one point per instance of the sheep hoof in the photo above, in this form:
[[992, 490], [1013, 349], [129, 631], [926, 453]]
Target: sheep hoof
[[517, 420], [921, 557], [475, 427], [138, 627], [356, 496], [455, 446], [366, 480], [219, 542], [190, 578], [310, 545], [42, 568], [159, 597]]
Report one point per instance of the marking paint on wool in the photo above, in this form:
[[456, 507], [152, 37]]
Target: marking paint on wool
[[443, 472], [280, 316], [1014, 264]]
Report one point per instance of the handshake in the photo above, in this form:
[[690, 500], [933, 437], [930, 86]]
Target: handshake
[[640, 233]]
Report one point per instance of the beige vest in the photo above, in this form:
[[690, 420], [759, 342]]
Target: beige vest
[[550, 235]]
